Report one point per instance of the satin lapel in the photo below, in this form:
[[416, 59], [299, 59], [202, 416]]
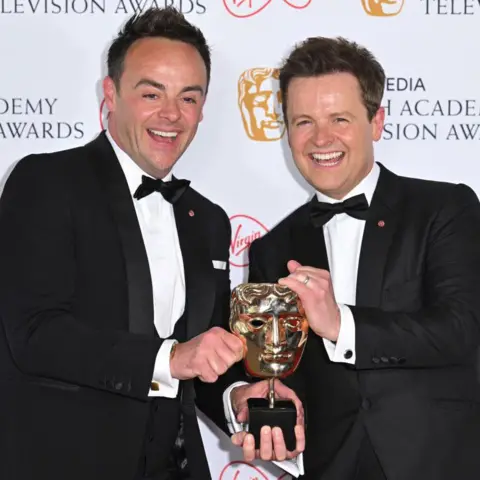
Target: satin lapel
[[112, 179], [197, 262], [377, 238], [308, 242]]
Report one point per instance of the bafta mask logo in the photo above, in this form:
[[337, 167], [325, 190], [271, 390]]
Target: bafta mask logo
[[383, 8], [249, 8], [260, 104], [245, 229]]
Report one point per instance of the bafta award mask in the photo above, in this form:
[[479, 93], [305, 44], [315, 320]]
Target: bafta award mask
[[271, 319]]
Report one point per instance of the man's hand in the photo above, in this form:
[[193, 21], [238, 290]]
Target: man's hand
[[272, 444], [315, 290], [207, 356]]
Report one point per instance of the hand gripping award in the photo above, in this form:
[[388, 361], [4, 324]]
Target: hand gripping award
[[271, 319]]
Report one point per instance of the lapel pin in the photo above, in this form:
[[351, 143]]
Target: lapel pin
[[191, 213], [381, 223]]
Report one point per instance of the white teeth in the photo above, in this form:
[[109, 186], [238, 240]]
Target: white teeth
[[326, 156], [159, 133]]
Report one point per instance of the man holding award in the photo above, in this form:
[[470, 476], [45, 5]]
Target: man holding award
[[387, 270]]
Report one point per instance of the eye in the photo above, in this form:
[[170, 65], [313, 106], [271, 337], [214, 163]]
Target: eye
[[302, 122], [191, 100], [150, 96], [257, 322], [341, 120]]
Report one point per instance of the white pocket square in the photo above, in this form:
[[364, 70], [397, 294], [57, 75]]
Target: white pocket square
[[219, 264]]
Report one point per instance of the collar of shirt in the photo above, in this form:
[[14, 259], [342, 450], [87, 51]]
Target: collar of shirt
[[366, 186], [133, 173]]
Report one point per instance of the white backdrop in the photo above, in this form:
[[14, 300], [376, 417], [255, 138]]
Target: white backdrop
[[52, 55]]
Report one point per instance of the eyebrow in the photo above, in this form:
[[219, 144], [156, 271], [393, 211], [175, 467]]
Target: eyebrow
[[333, 114], [161, 86], [341, 114]]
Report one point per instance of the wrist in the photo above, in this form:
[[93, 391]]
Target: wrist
[[336, 331], [173, 352], [233, 397]]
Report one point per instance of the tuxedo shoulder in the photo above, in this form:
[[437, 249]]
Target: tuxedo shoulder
[[204, 203], [437, 192], [49, 162]]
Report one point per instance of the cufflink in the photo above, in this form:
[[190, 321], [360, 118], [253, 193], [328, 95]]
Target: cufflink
[[155, 386]]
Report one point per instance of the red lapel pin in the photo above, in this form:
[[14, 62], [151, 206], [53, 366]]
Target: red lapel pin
[[191, 213], [381, 223]]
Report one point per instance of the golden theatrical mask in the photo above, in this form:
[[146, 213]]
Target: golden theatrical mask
[[271, 318], [260, 104], [383, 8]]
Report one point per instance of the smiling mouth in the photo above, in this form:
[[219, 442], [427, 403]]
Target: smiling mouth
[[331, 159], [163, 135]]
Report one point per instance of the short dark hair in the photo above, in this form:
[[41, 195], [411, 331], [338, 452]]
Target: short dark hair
[[155, 22], [318, 56]]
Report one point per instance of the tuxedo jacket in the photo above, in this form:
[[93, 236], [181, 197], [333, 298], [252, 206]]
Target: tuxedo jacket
[[76, 306], [413, 389]]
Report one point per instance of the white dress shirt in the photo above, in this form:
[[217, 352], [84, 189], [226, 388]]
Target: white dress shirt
[[159, 231], [343, 240]]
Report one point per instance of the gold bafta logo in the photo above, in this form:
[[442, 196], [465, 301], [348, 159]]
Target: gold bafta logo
[[383, 8], [260, 104]]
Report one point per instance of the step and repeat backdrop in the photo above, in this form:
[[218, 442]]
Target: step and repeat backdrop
[[52, 63]]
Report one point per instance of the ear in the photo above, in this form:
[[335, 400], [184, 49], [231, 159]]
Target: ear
[[109, 93], [377, 124]]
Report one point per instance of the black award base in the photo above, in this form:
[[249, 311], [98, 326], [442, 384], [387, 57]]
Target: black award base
[[283, 415]]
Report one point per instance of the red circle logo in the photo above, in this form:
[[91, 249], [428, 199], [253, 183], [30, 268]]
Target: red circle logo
[[240, 470], [245, 229], [249, 8]]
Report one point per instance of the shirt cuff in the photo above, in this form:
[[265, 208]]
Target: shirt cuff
[[168, 386], [343, 350], [294, 466], [233, 425]]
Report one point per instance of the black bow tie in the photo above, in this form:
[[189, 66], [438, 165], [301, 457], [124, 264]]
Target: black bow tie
[[171, 190], [322, 212]]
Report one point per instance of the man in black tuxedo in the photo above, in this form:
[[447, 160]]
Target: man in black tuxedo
[[388, 270], [114, 281]]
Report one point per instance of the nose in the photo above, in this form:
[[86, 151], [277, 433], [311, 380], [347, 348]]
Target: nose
[[275, 337], [170, 110], [275, 333], [322, 136]]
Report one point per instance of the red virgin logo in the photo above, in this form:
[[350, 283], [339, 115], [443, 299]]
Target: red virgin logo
[[244, 471], [245, 230], [249, 8]]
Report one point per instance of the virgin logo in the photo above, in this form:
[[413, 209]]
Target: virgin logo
[[103, 115], [245, 230], [245, 471], [249, 8]]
